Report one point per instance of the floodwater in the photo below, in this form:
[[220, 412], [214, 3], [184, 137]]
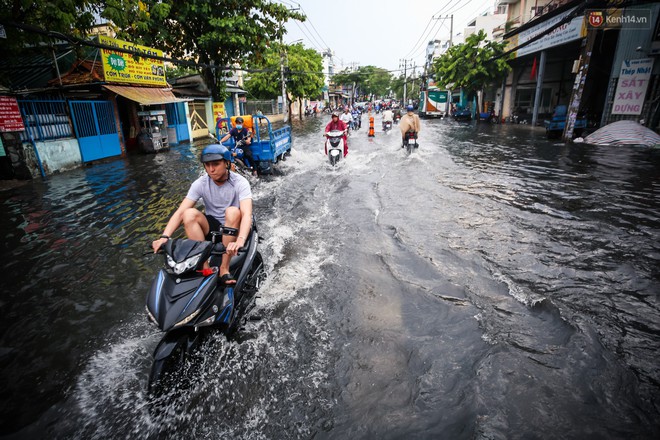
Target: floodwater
[[491, 285]]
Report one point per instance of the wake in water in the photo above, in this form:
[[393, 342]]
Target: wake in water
[[266, 380]]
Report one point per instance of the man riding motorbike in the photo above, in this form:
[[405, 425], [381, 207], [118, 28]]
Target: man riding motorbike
[[240, 133], [346, 117], [409, 122], [388, 116], [357, 118], [227, 201], [397, 115], [337, 124]]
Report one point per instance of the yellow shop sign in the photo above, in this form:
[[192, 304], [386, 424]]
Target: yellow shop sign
[[124, 68]]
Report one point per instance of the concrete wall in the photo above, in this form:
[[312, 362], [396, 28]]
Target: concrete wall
[[56, 156]]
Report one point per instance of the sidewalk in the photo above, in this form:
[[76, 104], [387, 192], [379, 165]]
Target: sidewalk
[[10, 184]]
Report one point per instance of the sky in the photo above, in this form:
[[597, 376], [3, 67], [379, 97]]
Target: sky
[[380, 33]]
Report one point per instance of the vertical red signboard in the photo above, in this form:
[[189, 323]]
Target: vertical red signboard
[[10, 115]]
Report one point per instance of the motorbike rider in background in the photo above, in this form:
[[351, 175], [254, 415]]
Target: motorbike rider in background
[[388, 116], [227, 201], [240, 133], [397, 115], [357, 118], [337, 124], [346, 117], [409, 122]]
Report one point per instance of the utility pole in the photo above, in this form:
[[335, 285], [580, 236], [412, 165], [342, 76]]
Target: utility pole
[[404, 64], [285, 106], [451, 30]]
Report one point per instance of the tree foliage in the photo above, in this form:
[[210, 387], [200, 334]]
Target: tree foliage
[[304, 76], [69, 17], [412, 87], [368, 80], [218, 33], [214, 32], [266, 84], [471, 65]]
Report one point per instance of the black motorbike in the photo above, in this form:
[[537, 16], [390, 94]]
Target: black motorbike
[[186, 300], [410, 141], [387, 126]]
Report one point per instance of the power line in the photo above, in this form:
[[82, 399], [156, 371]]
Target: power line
[[434, 35], [313, 27], [308, 38], [416, 49], [447, 6], [421, 36], [460, 7]]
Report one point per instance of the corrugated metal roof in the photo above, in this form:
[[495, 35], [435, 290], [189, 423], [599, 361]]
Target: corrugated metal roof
[[145, 95], [34, 70]]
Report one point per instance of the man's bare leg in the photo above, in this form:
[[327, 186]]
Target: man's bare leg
[[232, 220]]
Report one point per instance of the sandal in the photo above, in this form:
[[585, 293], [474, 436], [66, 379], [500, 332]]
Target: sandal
[[227, 280]]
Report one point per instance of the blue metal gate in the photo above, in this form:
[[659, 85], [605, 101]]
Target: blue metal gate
[[176, 117], [96, 130]]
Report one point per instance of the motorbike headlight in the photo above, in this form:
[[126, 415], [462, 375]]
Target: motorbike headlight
[[185, 265], [187, 319]]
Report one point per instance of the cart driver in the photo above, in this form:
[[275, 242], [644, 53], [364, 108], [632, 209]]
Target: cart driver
[[241, 133]]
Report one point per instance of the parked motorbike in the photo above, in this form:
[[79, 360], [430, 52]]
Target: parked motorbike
[[334, 146], [410, 141], [185, 300], [387, 126]]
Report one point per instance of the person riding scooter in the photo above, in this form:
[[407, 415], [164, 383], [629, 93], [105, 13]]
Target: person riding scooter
[[346, 117], [388, 118], [409, 122], [357, 119], [337, 124], [397, 115], [227, 201], [243, 139]]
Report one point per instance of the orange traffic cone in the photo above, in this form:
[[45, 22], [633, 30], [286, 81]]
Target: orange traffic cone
[[372, 133]]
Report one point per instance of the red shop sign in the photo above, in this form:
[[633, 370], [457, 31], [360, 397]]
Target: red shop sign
[[10, 115]]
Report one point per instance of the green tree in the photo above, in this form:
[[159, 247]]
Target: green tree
[[368, 80], [264, 80], [412, 87], [304, 76], [70, 17], [472, 65], [218, 33]]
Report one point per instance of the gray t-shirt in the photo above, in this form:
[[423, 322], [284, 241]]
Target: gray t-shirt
[[217, 198]]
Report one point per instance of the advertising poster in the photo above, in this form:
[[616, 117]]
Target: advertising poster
[[124, 68], [631, 88], [10, 115]]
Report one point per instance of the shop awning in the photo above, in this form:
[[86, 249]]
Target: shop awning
[[145, 95], [233, 89]]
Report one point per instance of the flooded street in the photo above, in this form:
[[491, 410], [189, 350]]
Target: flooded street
[[491, 285]]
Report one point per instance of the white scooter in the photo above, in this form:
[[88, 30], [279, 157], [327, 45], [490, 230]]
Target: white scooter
[[334, 146]]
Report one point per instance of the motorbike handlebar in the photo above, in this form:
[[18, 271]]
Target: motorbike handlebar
[[214, 251], [223, 249]]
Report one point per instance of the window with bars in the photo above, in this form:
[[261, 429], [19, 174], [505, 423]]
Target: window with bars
[[45, 120]]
